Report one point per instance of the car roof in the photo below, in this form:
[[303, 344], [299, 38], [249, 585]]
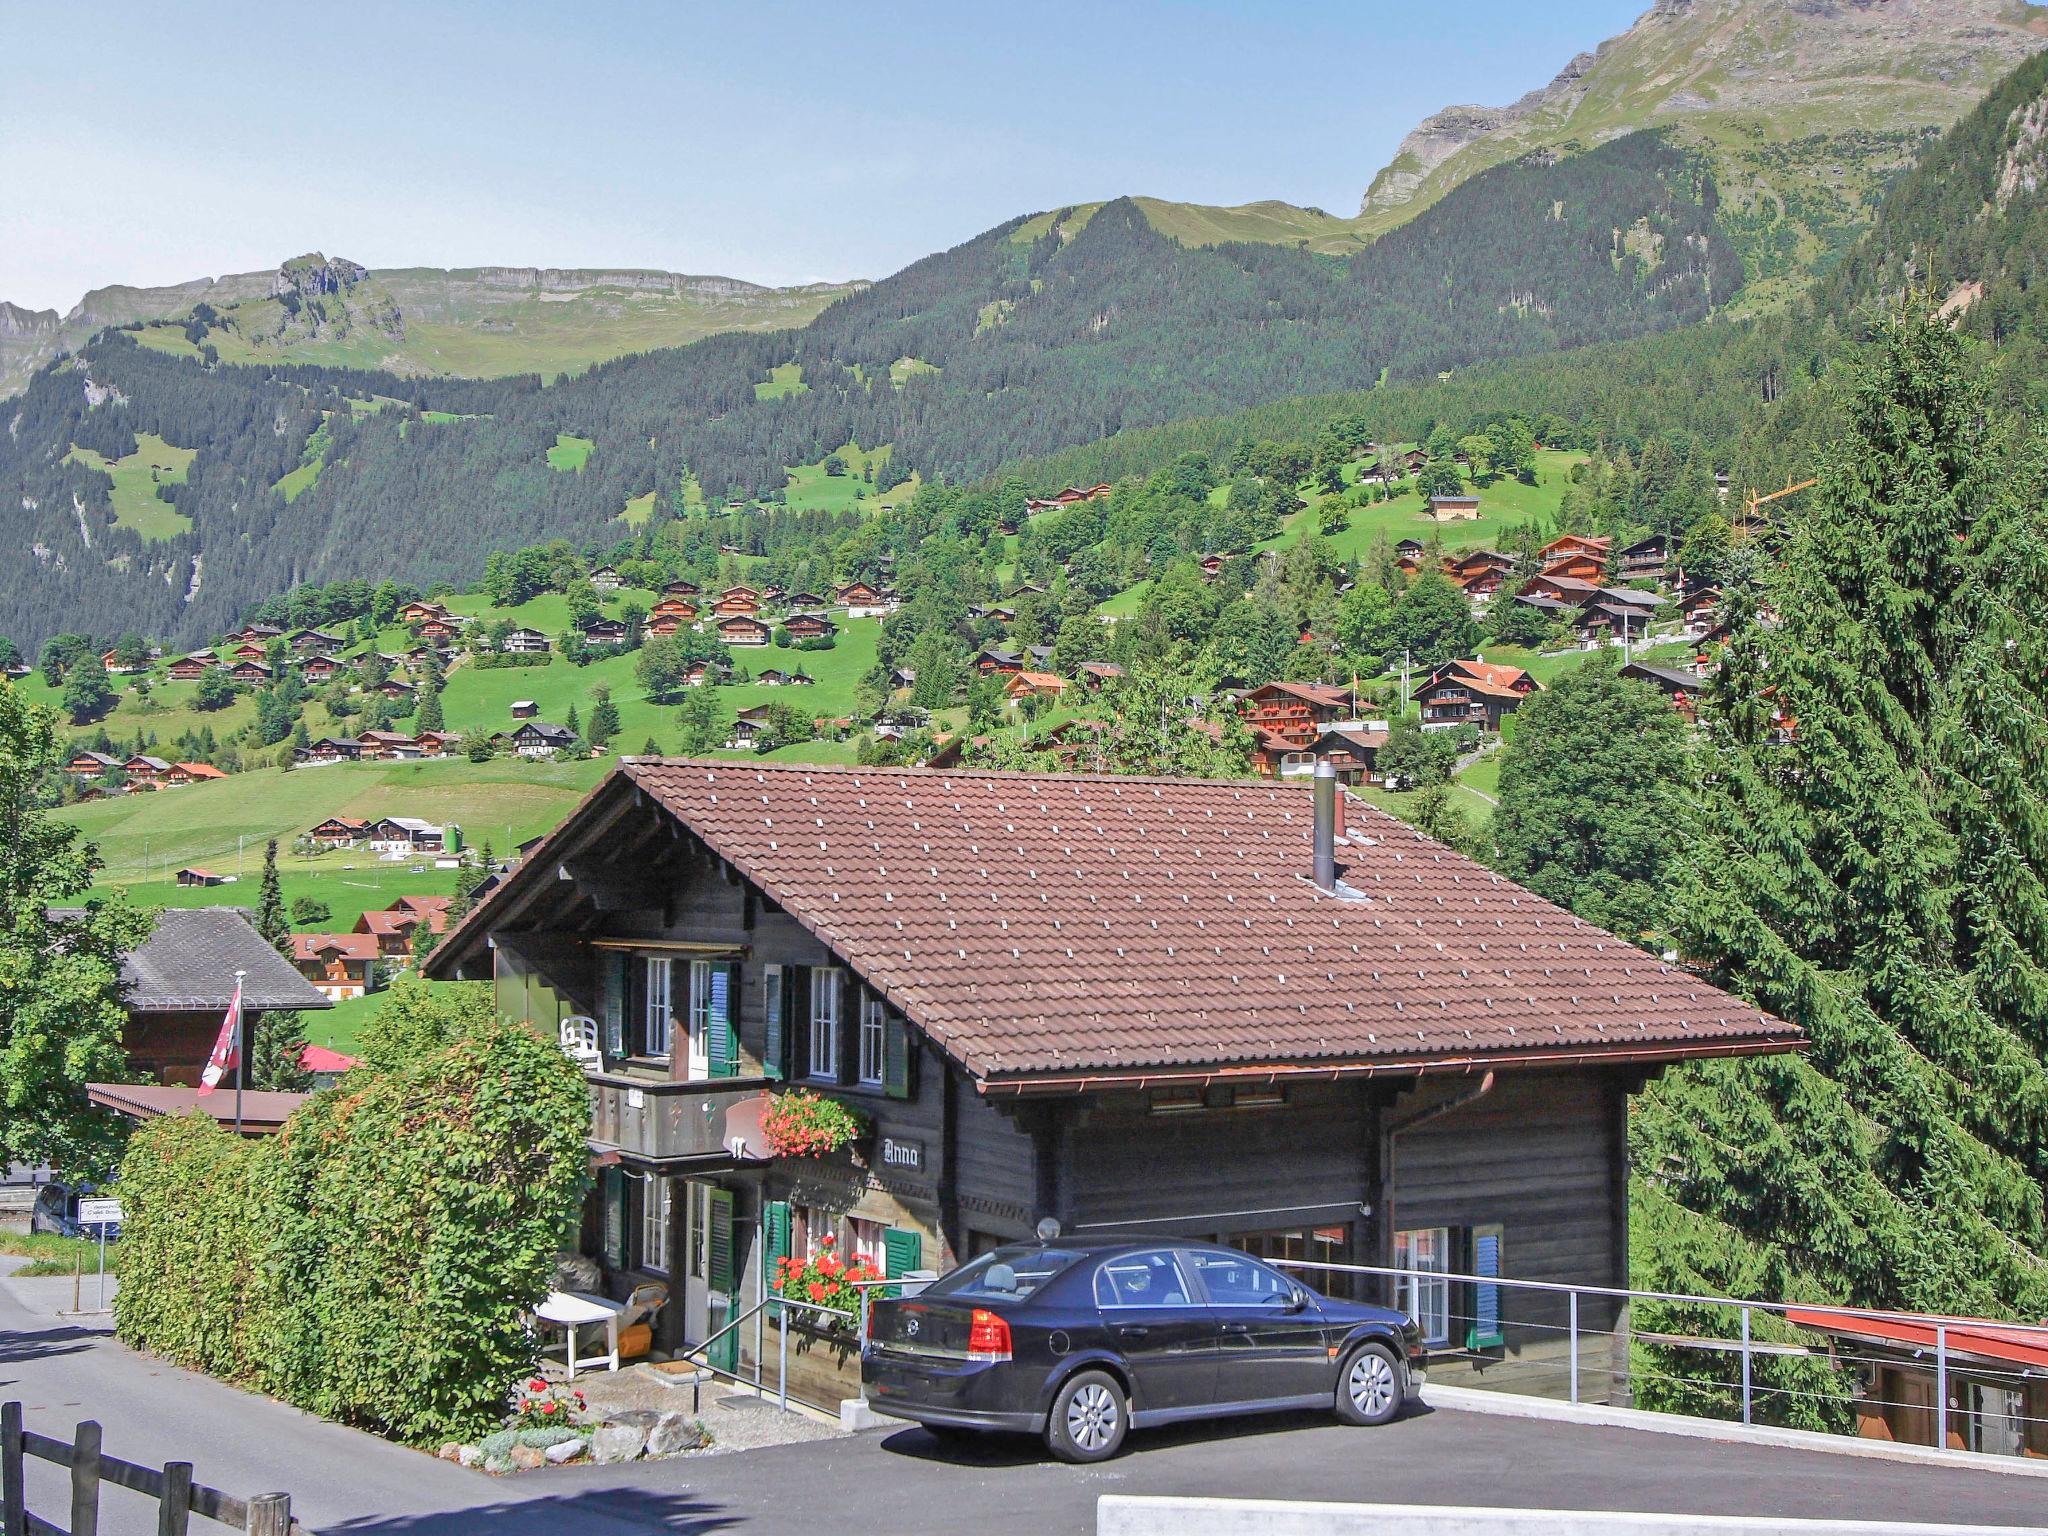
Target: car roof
[[1103, 1246]]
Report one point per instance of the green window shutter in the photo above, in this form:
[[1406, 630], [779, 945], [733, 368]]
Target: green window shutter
[[899, 1057], [724, 1354], [796, 1046], [722, 1042], [774, 985], [615, 1217], [776, 1222], [902, 1251], [1485, 1331], [612, 1002]]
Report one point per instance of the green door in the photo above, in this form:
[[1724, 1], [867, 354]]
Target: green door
[[724, 1352]]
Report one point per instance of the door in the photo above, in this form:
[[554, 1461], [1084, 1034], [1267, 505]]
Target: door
[[722, 1267], [699, 1063], [1153, 1318], [1271, 1341], [696, 1260]]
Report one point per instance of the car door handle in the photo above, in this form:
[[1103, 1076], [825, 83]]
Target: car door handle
[[1237, 1327], [1133, 1331]]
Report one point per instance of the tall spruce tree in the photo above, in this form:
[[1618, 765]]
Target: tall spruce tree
[[279, 1035], [1865, 857]]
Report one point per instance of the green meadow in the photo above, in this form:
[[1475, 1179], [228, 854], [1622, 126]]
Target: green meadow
[[135, 498]]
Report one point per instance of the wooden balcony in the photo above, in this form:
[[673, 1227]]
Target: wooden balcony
[[709, 1123]]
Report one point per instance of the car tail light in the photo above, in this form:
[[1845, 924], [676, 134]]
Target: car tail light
[[988, 1337]]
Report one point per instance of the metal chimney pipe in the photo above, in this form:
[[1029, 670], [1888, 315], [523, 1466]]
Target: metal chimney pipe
[[1326, 824]]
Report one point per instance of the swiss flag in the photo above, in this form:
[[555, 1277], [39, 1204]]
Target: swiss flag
[[227, 1050]]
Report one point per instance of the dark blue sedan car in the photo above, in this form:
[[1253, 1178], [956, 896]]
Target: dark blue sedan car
[[1081, 1342]]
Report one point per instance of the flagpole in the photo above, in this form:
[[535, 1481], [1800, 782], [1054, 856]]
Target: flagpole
[[241, 1056]]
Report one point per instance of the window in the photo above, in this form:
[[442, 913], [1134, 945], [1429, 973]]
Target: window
[[1233, 1280], [871, 1016], [1141, 1280], [654, 1223], [701, 1021], [809, 1226], [825, 989], [1007, 1274], [657, 1022], [698, 1194], [1425, 1297], [868, 1243]]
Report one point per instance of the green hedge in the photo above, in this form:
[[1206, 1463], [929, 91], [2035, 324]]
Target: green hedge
[[372, 1262]]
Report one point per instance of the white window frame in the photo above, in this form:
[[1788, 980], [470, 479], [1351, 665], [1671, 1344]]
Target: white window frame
[[700, 1020], [828, 984], [865, 1238], [872, 1065], [657, 1010], [657, 1212], [809, 1226], [1425, 1297]]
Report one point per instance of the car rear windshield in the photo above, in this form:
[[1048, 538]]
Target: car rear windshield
[[1008, 1274]]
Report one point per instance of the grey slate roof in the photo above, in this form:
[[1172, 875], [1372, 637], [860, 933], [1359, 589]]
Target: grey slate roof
[[190, 959]]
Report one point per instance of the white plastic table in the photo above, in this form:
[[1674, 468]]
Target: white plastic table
[[572, 1310]]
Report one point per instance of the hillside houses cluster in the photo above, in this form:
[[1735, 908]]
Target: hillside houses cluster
[[346, 965], [135, 773], [392, 836]]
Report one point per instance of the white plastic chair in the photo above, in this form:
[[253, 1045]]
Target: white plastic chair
[[579, 1040]]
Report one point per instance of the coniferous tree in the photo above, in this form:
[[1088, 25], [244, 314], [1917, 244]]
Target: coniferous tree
[[272, 921], [1865, 858]]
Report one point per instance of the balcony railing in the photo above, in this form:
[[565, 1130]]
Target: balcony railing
[[665, 1119]]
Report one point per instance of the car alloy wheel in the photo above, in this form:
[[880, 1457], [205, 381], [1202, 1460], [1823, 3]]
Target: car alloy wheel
[[1371, 1385], [1093, 1417]]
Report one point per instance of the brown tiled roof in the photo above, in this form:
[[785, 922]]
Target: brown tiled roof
[[1085, 926]]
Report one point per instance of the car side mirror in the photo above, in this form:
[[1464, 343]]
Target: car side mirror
[[1296, 1301]]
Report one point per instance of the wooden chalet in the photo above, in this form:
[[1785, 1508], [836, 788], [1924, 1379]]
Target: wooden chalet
[[1453, 509], [91, 765], [194, 665], [331, 749], [1352, 750], [143, 769], [1699, 608], [662, 626], [406, 834], [437, 743], [338, 832], [605, 578], [1409, 549], [1645, 559], [420, 611], [775, 677], [536, 738], [744, 601], [605, 632], [1284, 1097], [1212, 566], [527, 642], [1680, 685], [525, 709], [389, 744], [1477, 693], [1578, 566], [440, 632], [393, 927], [190, 773], [674, 608], [338, 965], [681, 589], [322, 668], [743, 629], [254, 673], [1025, 684], [255, 634], [1095, 675], [864, 601], [307, 642], [1562, 589], [810, 601], [748, 727], [1296, 712], [249, 650], [397, 690], [699, 674], [192, 874], [1574, 544], [809, 626]]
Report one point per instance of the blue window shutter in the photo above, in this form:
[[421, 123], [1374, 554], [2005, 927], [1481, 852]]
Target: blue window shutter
[[720, 1045], [774, 985], [1486, 1330]]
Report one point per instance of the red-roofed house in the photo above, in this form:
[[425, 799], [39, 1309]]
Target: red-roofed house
[[1026, 684], [338, 964], [1478, 693], [1997, 1378], [1124, 1004]]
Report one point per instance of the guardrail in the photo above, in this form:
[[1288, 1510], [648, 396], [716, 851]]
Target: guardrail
[[1741, 1342], [178, 1497], [777, 1307]]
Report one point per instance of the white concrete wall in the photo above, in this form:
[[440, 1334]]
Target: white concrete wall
[[1124, 1515]]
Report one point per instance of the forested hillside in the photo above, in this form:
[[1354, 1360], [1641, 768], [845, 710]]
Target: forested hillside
[[1013, 343]]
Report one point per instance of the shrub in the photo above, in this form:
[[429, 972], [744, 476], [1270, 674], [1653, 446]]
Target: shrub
[[801, 1123], [372, 1262]]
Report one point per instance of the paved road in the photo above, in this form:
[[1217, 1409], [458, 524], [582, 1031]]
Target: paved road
[[900, 1482]]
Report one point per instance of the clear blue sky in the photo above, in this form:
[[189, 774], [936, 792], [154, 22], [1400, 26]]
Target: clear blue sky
[[780, 142]]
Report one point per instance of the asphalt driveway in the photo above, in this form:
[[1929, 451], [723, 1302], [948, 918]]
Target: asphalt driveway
[[900, 1481]]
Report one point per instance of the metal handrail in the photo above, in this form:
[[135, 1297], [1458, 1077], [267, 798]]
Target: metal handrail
[[1940, 1324]]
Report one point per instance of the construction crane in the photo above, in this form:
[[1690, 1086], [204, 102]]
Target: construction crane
[[1755, 501]]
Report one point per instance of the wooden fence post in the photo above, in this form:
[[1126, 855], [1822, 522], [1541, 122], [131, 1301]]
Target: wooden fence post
[[270, 1514], [13, 1483], [85, 1479], [174, 1504]]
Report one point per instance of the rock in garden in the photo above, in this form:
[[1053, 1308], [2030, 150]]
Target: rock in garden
[[639, 1418], [452, 1451], [497, 1464], [617, 1442], [674, 1432], [526, 1457], [469, 1455], [565, 1450]]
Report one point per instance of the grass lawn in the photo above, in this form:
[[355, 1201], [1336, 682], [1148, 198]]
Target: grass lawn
[[51, 1254], [810, 489], [638, 510], [1483, 777], [785, 379], [1502, 504], [570, 452], [134, 498], [337, 1028], [904, 367], [1477, 811]]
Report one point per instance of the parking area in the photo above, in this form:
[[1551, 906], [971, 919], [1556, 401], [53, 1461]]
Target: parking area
[[903, 1480]]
